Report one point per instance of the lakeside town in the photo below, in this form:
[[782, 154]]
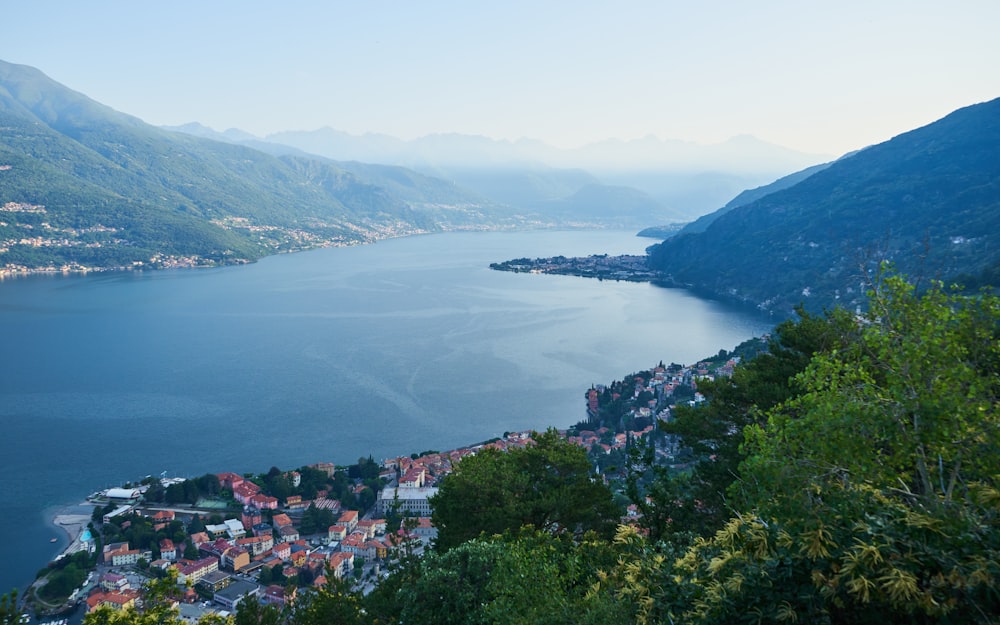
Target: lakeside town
[[225, 537], [627, 267], [29, 228]]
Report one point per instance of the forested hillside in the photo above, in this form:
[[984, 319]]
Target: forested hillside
[[82, 185], [927, 200]]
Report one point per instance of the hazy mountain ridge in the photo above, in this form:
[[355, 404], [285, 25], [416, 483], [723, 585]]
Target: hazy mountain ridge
[[927, 200], [750, 195], [682, 180]]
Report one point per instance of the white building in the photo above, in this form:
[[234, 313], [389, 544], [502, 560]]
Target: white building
[[411, 501]]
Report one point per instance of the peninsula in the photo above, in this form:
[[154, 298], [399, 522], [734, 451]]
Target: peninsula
[[627, 267]]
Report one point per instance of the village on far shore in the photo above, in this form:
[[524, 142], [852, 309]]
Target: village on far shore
[[226, 537]]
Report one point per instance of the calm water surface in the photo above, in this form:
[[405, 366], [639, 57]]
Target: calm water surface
[[386, 349]]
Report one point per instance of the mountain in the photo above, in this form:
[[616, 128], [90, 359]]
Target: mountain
[[927, 200], [742, 154], [84, 185], [750, 195], [686, 179], [496, 171]]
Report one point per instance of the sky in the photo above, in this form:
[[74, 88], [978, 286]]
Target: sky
[[822, 77]]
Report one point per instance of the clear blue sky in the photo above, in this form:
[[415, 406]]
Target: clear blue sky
[[822, 77]]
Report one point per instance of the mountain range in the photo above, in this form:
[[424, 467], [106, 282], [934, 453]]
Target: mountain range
[[682, 179], [927, 201], [85, 186]]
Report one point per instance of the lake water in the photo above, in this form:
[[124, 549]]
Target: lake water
[[329, 355]]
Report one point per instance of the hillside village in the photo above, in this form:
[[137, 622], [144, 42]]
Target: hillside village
[[244, 541]]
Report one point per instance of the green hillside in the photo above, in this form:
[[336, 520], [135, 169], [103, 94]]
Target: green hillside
[[84, 185], [927, 201]]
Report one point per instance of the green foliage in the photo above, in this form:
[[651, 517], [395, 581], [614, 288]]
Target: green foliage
[[315, 520], [365, 469], [910, 405], [63, 576], [251, 612], [696, 501], [159, 598], [9, 614], [190, 491], [547, 486], [868, 495], [525, 578], [334, 603]]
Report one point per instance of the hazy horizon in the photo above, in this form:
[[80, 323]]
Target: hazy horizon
[[816, 79]]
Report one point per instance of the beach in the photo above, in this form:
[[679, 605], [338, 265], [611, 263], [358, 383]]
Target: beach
[[74, 524]]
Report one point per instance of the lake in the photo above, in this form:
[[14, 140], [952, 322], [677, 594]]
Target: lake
[[329, 355]]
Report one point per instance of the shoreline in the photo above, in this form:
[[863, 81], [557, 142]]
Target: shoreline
[[73, 523]]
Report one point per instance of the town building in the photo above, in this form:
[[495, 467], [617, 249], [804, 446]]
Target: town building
[[410, 501]]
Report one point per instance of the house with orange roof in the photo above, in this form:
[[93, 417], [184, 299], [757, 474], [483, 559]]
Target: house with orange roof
[[245, 491], [341, 564], [230, 480], [415, 477], [161, 519], [365, 527], [337, 532], [193, 571], [94, 601], [352, 542], [256, 545], [349, 519], [168, 551], [263, 502], [380, 548], [326, 467], [121, 555], [299, 557], [116, 600], [424, 528], [281, 520], [282, 551]]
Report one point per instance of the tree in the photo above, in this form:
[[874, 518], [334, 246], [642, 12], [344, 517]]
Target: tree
[[159, 599], [697, 501], [910, 405], [251, 612], [869, 495], [867, 491], [548, 485], [9, 614], [334, 603], [524, 577], [197, 525], [190, 551]]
